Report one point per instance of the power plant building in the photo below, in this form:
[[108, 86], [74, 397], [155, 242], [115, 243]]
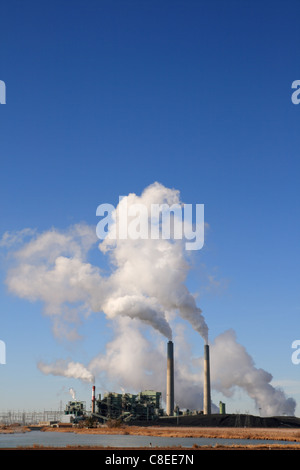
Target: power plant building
[[75, 408], [145, 405]]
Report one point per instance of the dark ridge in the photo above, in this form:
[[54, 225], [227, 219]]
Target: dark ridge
[[223, 420]]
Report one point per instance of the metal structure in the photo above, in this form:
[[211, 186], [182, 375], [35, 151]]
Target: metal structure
[[29, 417], [76, 408], [222, 408], [142, 406]]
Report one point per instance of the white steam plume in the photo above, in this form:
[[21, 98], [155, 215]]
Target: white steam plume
[[154, 269], [146, 282], [69, 369], [137, 306], [232, 366]]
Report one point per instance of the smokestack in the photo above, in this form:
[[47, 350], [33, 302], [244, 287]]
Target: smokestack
[[170, 380], [93, 399], [206, 385]]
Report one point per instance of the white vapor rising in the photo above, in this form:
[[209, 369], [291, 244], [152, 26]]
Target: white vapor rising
[[67, 369], [145, 288], [146, 282], [153, 269], [232, 366]]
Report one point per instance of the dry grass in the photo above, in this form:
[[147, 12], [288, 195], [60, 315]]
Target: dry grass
[[287, 434], [12, 428]]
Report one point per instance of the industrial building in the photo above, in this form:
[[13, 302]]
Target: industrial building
[[145, 405], [75, 408]]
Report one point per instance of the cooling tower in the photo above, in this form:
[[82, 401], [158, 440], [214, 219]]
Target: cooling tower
[[170, 380], [206, 383]]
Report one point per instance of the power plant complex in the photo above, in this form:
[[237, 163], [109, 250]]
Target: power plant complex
[[145, 405], [126, 407]]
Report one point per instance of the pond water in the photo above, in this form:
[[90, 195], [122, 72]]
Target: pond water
[[58, 439]]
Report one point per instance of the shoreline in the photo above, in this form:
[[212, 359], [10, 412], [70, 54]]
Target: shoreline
[[192, 432], [286, 434]]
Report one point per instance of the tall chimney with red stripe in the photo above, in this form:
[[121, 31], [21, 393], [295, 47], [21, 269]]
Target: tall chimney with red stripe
[[93, 399]]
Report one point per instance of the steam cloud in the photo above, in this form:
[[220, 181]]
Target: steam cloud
[[233, 367], [146, 287], [68, 369], [147, 279]]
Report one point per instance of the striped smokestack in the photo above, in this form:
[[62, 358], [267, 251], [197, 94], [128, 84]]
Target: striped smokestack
[[206, 385], [93, 399], [170, 380]]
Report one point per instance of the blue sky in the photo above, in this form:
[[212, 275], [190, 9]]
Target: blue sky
[[105, 98]]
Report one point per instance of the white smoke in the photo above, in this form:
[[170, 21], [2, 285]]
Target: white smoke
[[146, 287], [232, 367], [69, 369], [137, 306], [52, 268], [146, 282], [153, 269]]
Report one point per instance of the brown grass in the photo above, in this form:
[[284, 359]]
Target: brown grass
[[12, 428], [287, 434]]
